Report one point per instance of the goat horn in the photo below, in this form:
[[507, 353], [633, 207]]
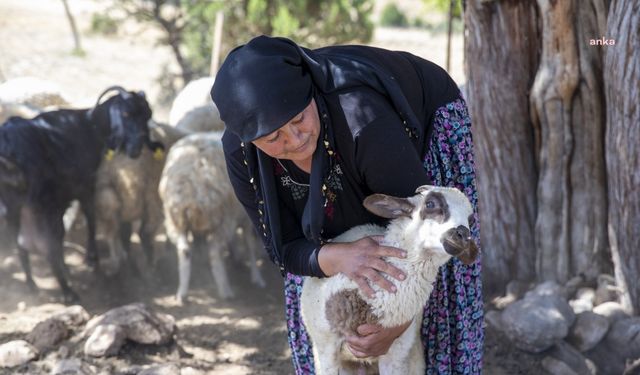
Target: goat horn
[[120, 90]]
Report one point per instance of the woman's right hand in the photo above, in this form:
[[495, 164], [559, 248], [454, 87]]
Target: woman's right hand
[[361, 261]]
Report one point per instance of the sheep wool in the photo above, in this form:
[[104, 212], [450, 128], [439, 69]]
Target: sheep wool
[[198, 199]]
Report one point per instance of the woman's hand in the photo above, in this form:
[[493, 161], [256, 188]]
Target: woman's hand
[[361, 261], [373, 340]]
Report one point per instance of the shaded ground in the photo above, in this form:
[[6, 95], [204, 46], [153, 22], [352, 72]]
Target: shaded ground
[[245, 335]]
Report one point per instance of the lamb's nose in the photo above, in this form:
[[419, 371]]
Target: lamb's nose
[[462, 233], [456, 240]]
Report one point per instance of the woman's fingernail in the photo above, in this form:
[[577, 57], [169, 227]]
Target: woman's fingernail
[[401, 276]]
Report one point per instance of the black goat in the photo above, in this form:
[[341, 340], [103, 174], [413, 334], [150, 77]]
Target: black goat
[[50, 160]]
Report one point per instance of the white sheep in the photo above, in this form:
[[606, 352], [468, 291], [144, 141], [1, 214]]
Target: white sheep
[[36, 93], [431, 226], [127, 192], [15, 109], [192, 109], [199, 201]]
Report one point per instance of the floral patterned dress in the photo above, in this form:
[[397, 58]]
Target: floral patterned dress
[[452, 327]]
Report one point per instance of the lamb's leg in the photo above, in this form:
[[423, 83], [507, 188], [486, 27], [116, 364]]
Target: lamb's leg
[[146, 240], [218, 269], [256, 276], [326, 358], [405, 356], [184, 266], [251, 247], [28, 233], [124, 237], [89, 210]]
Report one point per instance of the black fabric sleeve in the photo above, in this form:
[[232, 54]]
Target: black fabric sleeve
[[387, 159], [300, 256]]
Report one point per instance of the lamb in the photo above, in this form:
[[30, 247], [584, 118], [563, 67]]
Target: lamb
[[50, 160], [36, 93], [431, 226], [28, 96], [198, 199], [127, 192], [14, 109], [193, 110]]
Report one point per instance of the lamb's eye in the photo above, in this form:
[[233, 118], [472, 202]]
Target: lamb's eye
[[430, 204]]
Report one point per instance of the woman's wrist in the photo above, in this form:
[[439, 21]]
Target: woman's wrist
[[326, 259]]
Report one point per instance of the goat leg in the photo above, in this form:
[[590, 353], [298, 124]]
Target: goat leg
[[55, 257]]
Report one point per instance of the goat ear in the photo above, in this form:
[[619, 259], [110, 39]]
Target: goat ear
[[469, 255], [387, 206]]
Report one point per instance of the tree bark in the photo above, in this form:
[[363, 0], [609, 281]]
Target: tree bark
[[622, 88], [567, 108], [74, 29], [501, 56]]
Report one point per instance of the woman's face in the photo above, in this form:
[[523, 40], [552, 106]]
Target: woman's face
[[297, 139]]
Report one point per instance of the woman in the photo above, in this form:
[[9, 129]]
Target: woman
[[311, 133]]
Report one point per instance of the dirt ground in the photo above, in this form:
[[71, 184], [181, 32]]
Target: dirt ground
[[245, 335]]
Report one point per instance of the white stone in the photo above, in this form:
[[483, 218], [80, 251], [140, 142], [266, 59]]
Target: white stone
[[105, 340], [15, 353]]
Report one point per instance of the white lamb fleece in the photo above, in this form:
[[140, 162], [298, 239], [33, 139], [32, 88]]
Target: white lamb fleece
[[392, 309]]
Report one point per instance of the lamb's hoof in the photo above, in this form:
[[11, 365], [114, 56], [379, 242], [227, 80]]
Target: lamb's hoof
[[181, 300], [227, 295]]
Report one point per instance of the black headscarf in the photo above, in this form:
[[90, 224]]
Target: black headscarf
[[268, 81]]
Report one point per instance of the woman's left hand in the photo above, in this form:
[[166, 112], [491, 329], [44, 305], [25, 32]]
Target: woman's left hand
[[373, 340]]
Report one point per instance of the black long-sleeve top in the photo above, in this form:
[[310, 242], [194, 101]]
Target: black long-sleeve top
[[375, 154]]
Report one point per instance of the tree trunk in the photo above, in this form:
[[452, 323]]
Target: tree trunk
[[74, 29], [622, 88], [502, 55], [567, 108]]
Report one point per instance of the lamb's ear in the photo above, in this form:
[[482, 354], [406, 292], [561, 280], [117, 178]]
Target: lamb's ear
[[388, 206], [470, 254], [423, 188]]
